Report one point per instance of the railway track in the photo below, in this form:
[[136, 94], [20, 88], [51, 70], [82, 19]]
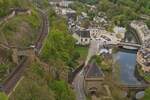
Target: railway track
[[12, 79], [43, 33]]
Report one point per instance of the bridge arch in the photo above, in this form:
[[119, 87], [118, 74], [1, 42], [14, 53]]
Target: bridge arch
[[135, 34]]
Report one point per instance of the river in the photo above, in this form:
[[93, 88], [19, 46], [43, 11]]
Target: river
[[127, 65], [127, 62]]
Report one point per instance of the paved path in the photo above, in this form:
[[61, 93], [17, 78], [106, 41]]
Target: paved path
[[93, 49], [78, 86], [78, 81]]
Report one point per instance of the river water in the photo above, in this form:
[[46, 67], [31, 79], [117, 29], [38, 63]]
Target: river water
[[127, 61], [127, 65]]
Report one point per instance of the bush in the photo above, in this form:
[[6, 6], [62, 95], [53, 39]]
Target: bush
[[104, 64], [147, 94], [3, 96], [62, 90]]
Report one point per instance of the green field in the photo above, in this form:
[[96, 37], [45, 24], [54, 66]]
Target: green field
[[83, 51]]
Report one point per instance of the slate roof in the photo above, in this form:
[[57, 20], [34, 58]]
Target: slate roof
[[71, 15], [93, 71], [84, 33]]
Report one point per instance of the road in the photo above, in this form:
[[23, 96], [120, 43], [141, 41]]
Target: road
[[93, 50], [78, 81], [78, 86]]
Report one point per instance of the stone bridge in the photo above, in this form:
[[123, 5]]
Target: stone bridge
[[129, 44], [134, 87], [122, 44]]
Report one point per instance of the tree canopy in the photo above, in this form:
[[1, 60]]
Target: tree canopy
[[3, 96]]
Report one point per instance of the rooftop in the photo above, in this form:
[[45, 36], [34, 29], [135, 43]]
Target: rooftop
[[93, 71], [84, 33]]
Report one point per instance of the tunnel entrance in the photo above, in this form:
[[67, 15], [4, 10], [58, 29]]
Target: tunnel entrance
[[92, 91]]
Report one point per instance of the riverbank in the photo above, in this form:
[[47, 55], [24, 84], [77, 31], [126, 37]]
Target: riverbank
[[145, 76]]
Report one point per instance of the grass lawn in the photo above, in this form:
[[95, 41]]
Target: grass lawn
[[83, 51]]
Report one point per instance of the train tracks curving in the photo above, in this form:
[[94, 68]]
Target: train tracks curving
[[43, 33], [12, 79]]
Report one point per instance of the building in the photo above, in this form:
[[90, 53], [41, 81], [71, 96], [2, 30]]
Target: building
[[65, 3], [71, 15], [64, 11], [60, 3], [143, 55], [82, 37], [141, 29], [143, 59], [120, 31], [93, 79], [94, 32]]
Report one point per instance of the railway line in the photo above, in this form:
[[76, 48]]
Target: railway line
[[8, 85]]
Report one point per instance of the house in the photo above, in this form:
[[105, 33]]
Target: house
[[71, 15], [93, 79], [65, 11], [143, 59], [98, 19], [61, 3], [119, 31], [94, 31], [82, 37], [65, 3]]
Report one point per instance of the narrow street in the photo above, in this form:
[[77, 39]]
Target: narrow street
[[78, 86], [78, 81], [93, 48]]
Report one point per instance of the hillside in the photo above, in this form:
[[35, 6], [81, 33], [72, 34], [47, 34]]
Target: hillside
[[119, 12], [6, 5], [19, 29], [47, 75]]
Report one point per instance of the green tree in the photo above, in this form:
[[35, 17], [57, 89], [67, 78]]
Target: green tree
[[3, 96], [91, 2], [147, 94], [62, 90], [79, 7], [30, 89]]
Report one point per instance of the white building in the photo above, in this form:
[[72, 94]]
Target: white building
[[82, 37], [119, 31], [61, 3], [64, 11], [94, 32]]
